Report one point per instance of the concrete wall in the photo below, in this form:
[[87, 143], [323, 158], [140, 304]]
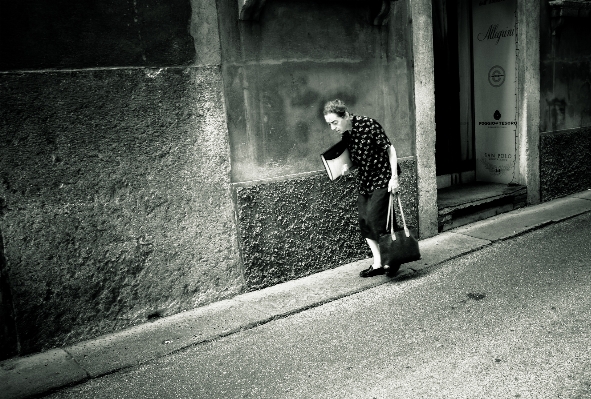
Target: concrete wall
[[564, 162], [114, 166], [278, 72], [292, 228], [565, 64], [152, 161], [565, 102], [423, 100]]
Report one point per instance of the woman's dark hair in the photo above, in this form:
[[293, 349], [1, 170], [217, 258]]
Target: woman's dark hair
[[337, 107]]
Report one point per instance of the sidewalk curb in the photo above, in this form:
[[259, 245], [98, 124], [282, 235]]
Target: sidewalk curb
[[48, 371]]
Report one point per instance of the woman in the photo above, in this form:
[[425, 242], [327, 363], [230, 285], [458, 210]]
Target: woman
[[375, 158]]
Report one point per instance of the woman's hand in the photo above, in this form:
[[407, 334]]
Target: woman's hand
[[393, 185], [345, 170]]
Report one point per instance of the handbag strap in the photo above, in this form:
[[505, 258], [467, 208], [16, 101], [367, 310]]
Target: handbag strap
[[406, 232], [390, 219]]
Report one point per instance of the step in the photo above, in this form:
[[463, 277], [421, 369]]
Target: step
[[463, 204]]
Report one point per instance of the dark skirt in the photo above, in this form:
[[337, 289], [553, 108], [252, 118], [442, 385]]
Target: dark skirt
[[373, 213]]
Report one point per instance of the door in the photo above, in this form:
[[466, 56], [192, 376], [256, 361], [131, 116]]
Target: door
[[454, 145]]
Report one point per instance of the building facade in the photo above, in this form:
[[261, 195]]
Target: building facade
[[157, 156]]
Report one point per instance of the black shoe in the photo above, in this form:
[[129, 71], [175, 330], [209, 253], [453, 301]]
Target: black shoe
[[391, 270], [370, 272]]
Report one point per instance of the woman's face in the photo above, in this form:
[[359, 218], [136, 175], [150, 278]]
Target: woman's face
[[338, 124]]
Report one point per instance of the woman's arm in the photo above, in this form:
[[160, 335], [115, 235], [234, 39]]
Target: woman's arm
[[393, 184]]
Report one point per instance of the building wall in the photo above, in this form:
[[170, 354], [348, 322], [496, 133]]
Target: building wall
[[565, 102], [114, 167], [279, 70], [153, 161], [292, 228], [564, 162]]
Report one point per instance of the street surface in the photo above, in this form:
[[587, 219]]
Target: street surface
[[510, 321]]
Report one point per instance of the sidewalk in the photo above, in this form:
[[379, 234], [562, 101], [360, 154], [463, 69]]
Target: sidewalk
[[41, 373]]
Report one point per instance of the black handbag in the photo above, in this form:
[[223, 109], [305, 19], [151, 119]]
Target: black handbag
[[398, 247]]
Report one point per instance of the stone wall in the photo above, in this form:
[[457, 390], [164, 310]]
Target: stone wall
[[565, 101], [289, 229], [564, 163], [151, 162], [115, 190]]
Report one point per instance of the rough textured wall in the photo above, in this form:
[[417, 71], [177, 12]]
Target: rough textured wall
[[565, 104], [118, 205], [115, 159], [114, 166], [8, 337], [565, 77], [280, 70], [564, 163], [290, 229]]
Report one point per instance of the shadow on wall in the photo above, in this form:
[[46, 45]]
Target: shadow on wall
[[556, 113], [276, 126]]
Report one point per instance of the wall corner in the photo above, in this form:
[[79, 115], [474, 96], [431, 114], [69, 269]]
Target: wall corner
[[424, 104], [528, 93]]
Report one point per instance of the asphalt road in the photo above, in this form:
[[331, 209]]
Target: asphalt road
[[510, 321]]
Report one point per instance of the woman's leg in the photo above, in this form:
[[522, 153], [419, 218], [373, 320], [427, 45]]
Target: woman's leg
[[373, 210], [376, 267], [375, 251]]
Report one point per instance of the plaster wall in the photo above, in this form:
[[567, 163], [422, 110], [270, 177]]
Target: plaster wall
[[565, 103], [115, 192], [565, 72], [280, 70], [108, 33]]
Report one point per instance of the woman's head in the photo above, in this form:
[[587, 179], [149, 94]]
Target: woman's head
[[337, 116], [337, 107]]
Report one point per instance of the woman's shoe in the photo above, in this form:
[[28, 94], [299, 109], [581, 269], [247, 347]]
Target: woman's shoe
[[370, 271], [391, 270]]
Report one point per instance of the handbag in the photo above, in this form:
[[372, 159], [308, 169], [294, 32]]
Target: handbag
[[398, 247], [334, 158]]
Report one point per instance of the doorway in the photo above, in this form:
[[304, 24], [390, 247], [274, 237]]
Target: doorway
[[454, 145], [461, 199], [432, 210]]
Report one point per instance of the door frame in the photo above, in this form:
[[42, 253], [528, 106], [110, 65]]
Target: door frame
[[528, 109]]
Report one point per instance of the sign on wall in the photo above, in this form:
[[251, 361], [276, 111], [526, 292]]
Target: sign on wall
[[495, 83]]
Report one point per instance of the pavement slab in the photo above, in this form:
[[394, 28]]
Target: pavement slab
[[443, 247], [313, 290], [148, 341], [511, 224], [37, 374], [583, 195]]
